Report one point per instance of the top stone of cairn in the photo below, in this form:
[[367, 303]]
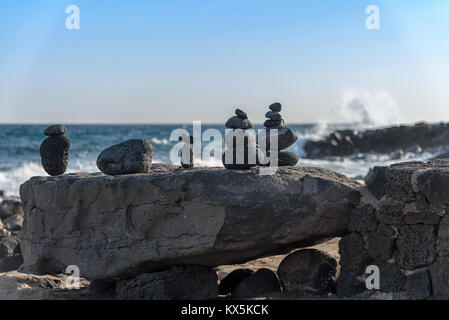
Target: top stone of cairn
[[276, 107], [55, 131], [240, 121]]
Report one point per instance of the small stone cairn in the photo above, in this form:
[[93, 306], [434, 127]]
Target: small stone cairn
[[242, 152], [187, 152], [55, 150], [286, 137]]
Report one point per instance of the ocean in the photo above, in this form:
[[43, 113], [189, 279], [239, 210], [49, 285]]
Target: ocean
[[20, 158]]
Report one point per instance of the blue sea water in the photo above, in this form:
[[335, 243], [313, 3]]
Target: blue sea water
[[20, 158]]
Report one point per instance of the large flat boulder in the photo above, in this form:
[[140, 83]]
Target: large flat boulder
[[121, 226]]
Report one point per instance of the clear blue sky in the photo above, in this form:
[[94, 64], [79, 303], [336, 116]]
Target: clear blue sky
[[179, 61]]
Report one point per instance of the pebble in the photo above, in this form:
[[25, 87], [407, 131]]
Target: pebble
[[272, 115], [55, 131], [274, 124], [241, 114], [277, 107], [238, 123]]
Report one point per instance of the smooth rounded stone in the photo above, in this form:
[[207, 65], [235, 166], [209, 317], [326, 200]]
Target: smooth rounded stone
[[55, 131], [11, 207], [262, 282], [274, 123], [250, 156], [275, 116], [232, 280], [55, 154], [186, 139], [418, 285], [241, 114], [285, 138], [276, 107], [175, 283], [129, 157], [238, 123], [187, 157], [239, 137], [309, 270]]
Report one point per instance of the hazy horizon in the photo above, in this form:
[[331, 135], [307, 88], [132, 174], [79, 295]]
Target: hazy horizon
[[174, 62]]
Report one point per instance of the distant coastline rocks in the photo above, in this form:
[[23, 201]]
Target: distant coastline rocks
[[132, 156], [55, 150]]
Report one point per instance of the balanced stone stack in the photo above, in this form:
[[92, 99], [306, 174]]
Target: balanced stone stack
[[55, 150], [187, 152], [285, 136], [242, 152], [402, 227]]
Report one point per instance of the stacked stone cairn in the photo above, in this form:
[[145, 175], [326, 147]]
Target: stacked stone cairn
[[241, 150], [285, 136], [187, 152], [55, 150]]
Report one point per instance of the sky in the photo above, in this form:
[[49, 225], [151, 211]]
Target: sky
[[197, 60]]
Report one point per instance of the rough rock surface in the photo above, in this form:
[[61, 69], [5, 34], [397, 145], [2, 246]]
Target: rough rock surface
[[410, 244], [132, 156], [113, 226], [308, 270], [175, 283], [10, 207]]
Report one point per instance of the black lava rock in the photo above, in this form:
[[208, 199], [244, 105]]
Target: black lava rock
[[274, 123], [241, 114], [276, 107], [250, 156], [132, 156], [275, 116], [55, 154], [262, 282], [55, 131], [232, 280], [238, 123]]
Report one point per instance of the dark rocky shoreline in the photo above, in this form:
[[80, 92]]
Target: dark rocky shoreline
[[416, 138]]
